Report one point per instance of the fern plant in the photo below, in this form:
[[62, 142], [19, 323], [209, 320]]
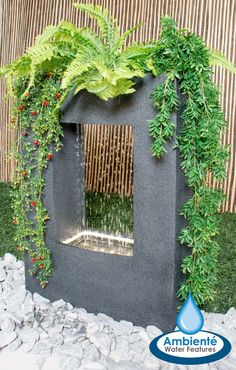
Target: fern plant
[[101, 66], [84, 60]]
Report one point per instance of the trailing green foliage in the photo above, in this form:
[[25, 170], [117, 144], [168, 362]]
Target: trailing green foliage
[[182, 55], [65, 58], [38, 122]]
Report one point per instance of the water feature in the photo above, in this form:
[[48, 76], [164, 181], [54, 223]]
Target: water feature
[[107, 164]]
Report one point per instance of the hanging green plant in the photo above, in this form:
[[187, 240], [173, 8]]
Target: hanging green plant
[[182, 56], [66, 58]]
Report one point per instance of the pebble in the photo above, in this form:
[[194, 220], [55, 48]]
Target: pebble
[[103, 342], [6, 338], [83, 340]]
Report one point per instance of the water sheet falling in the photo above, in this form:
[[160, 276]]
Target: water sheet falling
[[108, 194]]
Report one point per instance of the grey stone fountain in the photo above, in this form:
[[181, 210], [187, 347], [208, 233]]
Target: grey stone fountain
[[140, 286]]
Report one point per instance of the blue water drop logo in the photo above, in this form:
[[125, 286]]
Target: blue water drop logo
[[189, 319]]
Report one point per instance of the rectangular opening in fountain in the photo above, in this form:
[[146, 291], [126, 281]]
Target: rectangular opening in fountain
[[106, 155]]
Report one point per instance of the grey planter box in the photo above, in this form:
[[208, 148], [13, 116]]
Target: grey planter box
[[139, 288]]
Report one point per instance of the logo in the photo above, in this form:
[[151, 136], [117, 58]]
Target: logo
[[190, 345]]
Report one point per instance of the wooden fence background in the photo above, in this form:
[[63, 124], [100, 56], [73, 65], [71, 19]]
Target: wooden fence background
[[214, 20]]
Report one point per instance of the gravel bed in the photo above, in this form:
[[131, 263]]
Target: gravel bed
[[82, 340]]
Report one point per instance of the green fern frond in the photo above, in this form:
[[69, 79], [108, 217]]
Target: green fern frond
[[94, 40], [79, 65], [48, 33], [219, 59], [126, 34], [63, 31], [108, 27], [136, 50]]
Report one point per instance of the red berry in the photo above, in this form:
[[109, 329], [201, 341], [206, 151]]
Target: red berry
[[33, 204], [39, 258], [45, 103], [36, 142], [58, 95], [49, 156], [33, 113], [33, 260], [21, 107], [41, 266]]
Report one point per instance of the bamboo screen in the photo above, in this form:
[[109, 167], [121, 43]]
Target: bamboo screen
[[214, 20]]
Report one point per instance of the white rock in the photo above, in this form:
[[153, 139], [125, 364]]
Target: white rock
[[7, 338], [122, 328], [74, 350], [151, 362], [43, 334], [69, 363], [15, 300], [14, 316], [2, 264], [3, 305], [3, 274], [9, 259], [138, 347], [13, 346], [120, 355], [19, 264], [93, 328], [102, 341], [28, 335], [86, 343], [138, 357], [93, 366], [91, 353], [153, 331], [59, 304], [134, 337], [69, 306], [230, 317], [43, 348], [7, 288], [104, 318], [9, 278], [40, 300], [113, 343], [56, 340], [56, 329], [28, 305], [7, 324], [27, 347], [124, 365], [86, 317], [71, 316]]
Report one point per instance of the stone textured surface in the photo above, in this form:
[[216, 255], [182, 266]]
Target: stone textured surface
[[82, 340]]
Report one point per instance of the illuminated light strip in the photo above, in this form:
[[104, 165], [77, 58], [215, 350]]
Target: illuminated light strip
[[98, 235]]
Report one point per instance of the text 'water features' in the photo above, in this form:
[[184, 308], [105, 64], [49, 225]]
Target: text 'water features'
[[107, 225], [189, 320]]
